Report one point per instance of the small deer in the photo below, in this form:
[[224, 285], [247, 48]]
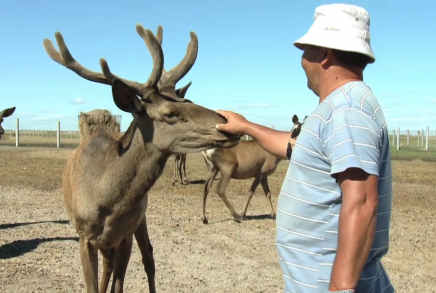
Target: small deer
[[3, 114], [180, 159], [246, 160], [106, 180]]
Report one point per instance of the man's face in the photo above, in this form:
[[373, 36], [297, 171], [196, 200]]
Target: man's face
[[310, 61]]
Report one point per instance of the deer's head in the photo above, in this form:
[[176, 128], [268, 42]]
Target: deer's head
[[173, 123], [3, 114], [297, 126]]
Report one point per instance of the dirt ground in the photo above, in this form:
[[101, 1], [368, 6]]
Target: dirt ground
[[39, 249]]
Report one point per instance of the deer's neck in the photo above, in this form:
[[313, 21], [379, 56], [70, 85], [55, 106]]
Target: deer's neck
[[144, 161]]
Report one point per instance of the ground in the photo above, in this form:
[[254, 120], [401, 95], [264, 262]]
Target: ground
[[39, 249]]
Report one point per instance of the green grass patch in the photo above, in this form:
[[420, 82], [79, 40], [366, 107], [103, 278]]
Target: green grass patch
[[411, 153]]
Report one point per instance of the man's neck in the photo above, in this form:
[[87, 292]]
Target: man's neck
[[335, 80]]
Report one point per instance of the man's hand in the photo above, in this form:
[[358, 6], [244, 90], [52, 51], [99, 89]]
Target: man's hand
[[236, 123]]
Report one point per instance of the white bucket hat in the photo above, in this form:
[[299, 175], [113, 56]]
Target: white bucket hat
[[340, 26]]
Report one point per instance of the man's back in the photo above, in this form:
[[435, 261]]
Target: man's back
[[347, 129]]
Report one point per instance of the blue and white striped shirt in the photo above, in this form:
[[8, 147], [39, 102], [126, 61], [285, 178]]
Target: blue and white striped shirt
[[346, 130]]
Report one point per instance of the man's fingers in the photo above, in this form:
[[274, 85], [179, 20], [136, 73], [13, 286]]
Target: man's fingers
[[221, 127], [223, 113]]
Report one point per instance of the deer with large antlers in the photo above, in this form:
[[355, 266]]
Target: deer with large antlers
[[3, 114], [106, 180], [246, 160]]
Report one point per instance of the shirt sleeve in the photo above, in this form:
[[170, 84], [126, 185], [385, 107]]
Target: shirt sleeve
[[352, 140]]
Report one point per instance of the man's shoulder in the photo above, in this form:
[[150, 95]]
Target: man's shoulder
[[353, 94]]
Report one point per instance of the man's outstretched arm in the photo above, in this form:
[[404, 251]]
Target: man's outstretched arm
[[273, 141]]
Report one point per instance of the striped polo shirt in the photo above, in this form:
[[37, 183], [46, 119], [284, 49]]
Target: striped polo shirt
[[347, 129]]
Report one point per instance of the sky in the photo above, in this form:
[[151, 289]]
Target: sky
[[246, 61]]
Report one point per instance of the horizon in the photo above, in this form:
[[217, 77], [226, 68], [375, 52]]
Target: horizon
[[246, 61]]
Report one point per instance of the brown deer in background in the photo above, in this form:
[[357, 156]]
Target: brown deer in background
[[3, 114], [180, 159], [106, 180], [246, 160]]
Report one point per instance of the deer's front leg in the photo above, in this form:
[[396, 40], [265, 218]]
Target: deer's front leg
[[121, 260], [144, 244], [222, 185], [250, 194], [89, 258]]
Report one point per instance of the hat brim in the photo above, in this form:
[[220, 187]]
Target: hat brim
[[333, 40]]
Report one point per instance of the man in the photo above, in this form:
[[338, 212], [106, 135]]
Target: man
[[334, 209]]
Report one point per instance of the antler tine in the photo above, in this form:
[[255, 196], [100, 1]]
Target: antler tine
[[168, 80], [159, 35], [66, 59], [135, 86], [156, 52], [181, 69]]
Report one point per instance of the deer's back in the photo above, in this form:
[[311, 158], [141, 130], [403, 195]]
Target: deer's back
[[248, 159]]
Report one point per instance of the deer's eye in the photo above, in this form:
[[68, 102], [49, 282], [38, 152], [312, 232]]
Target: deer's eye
[[169, 115]]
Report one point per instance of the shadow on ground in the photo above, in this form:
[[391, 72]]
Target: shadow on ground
[[14, 225], [20, 247]]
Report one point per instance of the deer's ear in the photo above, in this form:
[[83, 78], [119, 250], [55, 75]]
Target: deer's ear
[[7, 112], [125, 99], [295, 119], [181, 92]]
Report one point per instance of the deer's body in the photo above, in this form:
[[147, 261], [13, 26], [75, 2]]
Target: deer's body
[[106, 180], [120, 188], [179, 166], [244, 161]]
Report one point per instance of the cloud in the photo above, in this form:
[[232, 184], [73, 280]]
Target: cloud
[[433, 101], [78, 101]]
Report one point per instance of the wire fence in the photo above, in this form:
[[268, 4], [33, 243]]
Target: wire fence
[[424, 138]]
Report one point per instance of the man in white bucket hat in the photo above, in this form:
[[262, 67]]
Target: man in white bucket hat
[[334, 209]]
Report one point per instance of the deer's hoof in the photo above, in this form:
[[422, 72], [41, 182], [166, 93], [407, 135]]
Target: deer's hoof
[[205, 221], [238, 219]]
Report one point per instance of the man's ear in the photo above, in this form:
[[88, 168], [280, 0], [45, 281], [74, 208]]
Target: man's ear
[[125, 99], [327, 57]]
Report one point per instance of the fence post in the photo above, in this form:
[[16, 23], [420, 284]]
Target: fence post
[[17, 133], [58, 134], [426, 138], [393, 136], [408, 138], [398, 139]]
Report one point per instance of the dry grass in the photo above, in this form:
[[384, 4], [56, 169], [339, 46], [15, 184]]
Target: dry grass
[[191, 257], [89, 121]]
